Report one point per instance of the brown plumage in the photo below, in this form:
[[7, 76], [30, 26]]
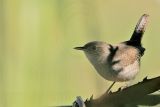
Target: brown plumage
[[126, 54]]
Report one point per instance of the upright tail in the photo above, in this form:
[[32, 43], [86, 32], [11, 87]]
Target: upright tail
[[140, 29]]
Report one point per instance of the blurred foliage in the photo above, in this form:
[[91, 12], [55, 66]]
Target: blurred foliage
[[38, 66]]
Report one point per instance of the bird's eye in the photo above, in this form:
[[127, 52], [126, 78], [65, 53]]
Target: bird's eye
[[93, 47]]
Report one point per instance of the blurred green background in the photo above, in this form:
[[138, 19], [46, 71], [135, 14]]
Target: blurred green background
[[38, 66]]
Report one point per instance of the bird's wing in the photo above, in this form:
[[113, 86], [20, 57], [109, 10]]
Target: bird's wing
[[126, 55]]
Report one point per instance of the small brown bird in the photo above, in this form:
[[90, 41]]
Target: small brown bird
[[119, 62]]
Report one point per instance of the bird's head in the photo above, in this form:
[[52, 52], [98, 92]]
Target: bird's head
[[96, 51]]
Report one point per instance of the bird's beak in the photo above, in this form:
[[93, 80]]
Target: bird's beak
[[79, 48]]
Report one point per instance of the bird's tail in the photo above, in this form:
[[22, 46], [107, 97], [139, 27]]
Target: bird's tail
[[140, 29]]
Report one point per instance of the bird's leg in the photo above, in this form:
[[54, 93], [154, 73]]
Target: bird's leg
[[108, 90]]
